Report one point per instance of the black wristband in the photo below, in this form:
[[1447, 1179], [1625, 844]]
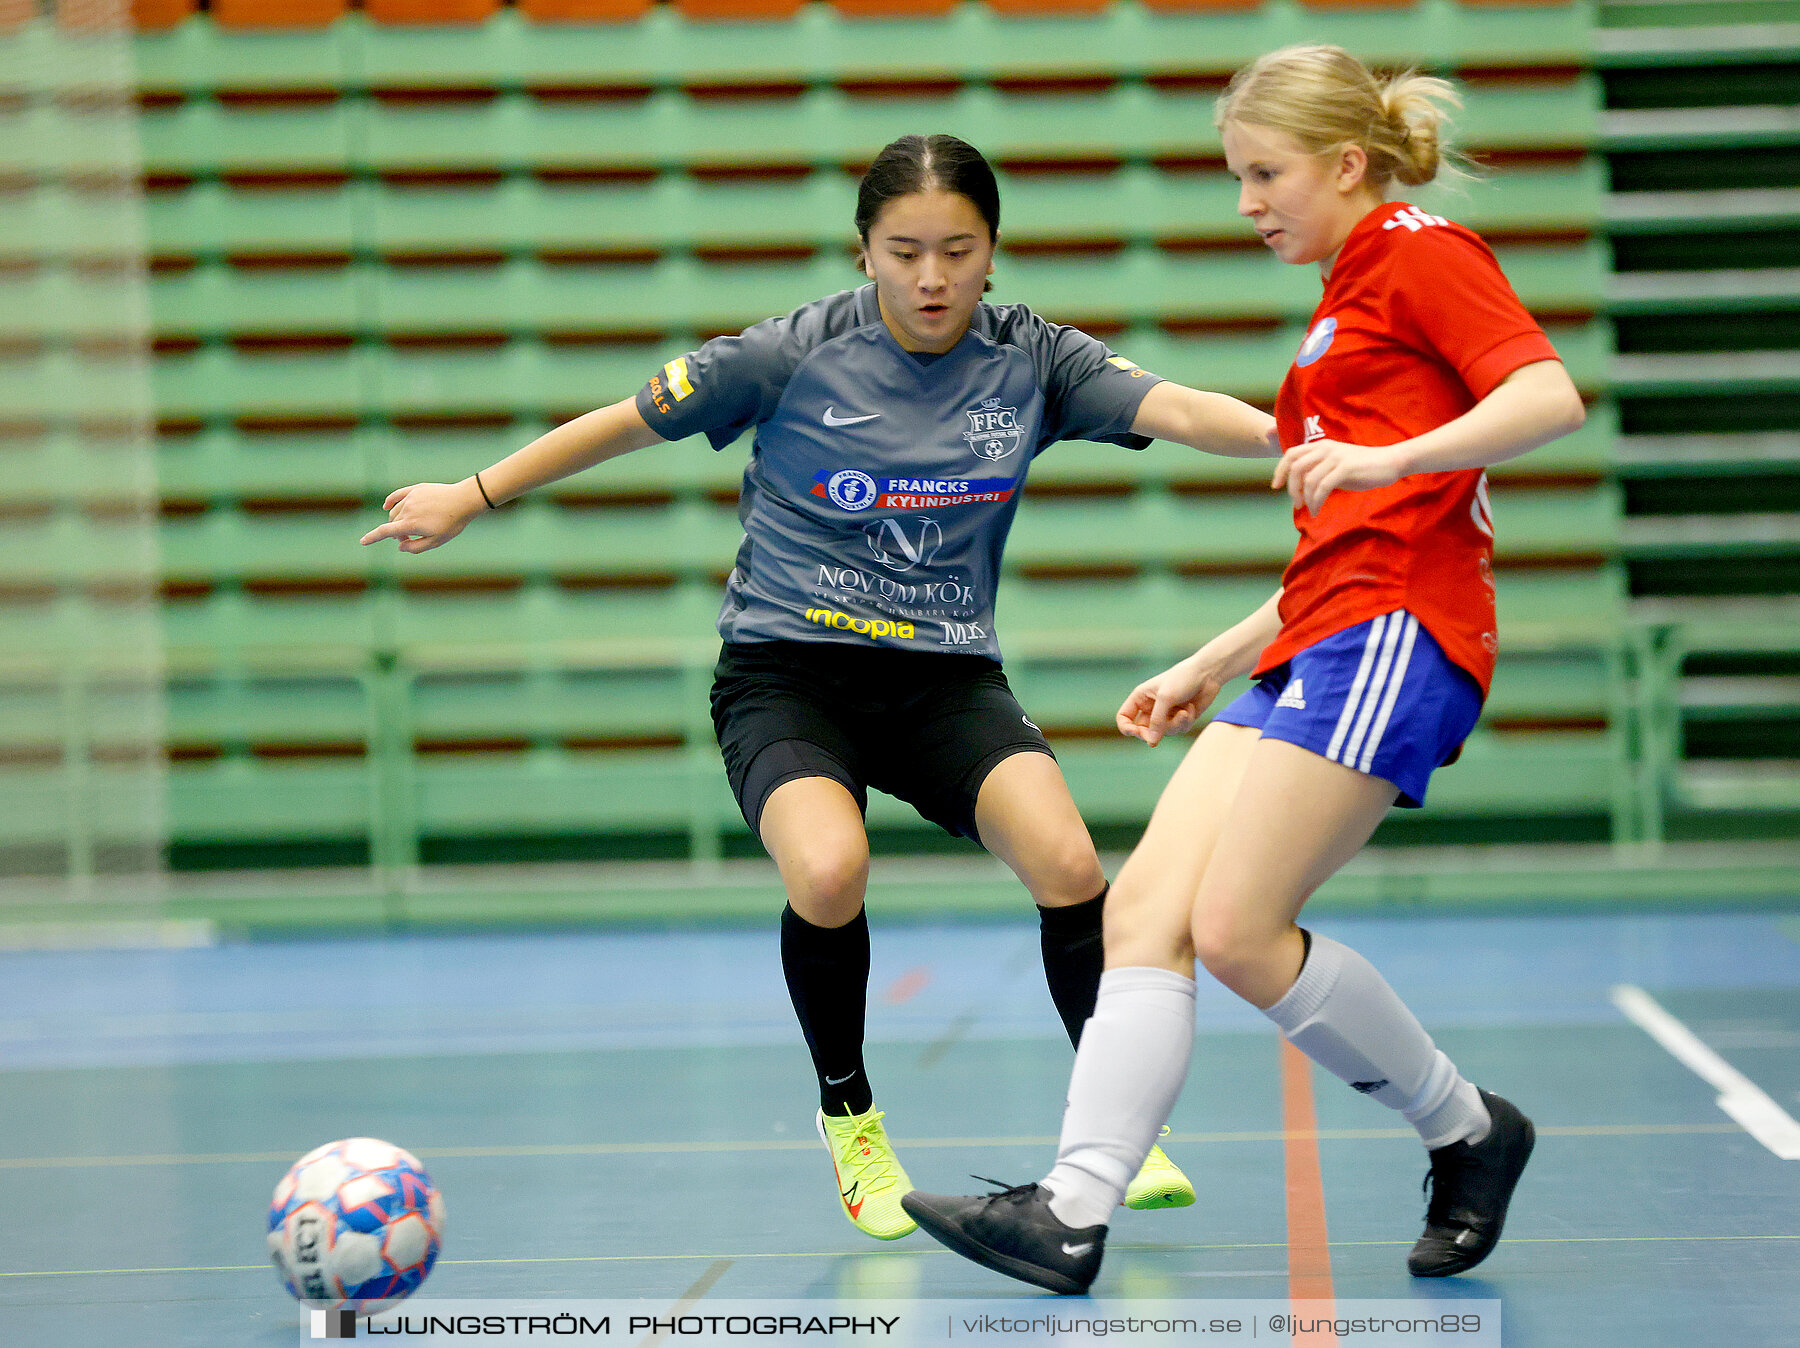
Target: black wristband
[[484, 495]]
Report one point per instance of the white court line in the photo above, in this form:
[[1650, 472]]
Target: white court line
[[1739, 1096]]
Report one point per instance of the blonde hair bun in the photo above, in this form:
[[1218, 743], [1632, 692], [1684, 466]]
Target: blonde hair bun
[[1327, 99]]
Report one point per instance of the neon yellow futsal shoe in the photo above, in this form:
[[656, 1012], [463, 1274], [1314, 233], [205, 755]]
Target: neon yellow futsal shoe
[[1159, 1183], [869, 1178]]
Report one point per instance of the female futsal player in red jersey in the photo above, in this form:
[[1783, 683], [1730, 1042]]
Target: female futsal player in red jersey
[[1419, 369]]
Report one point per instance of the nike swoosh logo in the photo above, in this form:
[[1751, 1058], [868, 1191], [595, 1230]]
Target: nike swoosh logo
[[833, 419], [852, 1204], [839, 1081], [1078, 1249]]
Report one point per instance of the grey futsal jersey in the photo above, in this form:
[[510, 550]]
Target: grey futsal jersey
[[881, 486]]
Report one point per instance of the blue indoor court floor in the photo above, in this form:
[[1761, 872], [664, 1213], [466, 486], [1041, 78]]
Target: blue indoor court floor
[[630, 1114]]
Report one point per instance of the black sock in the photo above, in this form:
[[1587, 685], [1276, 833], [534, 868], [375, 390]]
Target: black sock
[[1074, 958], [827, 971]]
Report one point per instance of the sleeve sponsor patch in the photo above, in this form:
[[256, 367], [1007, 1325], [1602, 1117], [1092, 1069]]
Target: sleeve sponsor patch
[[676, 372]]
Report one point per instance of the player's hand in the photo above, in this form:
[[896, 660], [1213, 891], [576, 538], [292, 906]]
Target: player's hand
[[1314, 470], [427, 515], [1171, 702]]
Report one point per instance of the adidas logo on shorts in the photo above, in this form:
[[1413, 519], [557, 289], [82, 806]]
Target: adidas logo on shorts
[[1294, 695]]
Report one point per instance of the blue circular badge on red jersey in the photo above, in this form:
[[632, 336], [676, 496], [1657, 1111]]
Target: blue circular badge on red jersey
[[1317, 342]]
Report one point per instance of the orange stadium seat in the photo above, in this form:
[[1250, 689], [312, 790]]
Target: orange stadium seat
[[278, 13], [1041, 8], [1196, 6], [430, 11], [893, 9], [738, 11], [584, 11], [151, 15]]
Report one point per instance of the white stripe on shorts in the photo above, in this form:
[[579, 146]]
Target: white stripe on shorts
[[1395, 679], [1371, 697], [1370, 645]]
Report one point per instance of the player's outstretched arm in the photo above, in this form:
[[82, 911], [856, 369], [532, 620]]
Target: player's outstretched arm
[[1532, 406], [1214, 422], [1172, 701], [427, 515]]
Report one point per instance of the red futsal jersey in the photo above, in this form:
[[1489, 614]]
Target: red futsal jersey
[[1417, 324]]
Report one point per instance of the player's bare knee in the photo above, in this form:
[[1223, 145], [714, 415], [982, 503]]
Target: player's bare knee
[[1145, 928], [826, 883], [1151, 950], [1232, 951], [1067, 872]]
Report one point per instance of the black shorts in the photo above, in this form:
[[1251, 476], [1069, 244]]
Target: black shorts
[[924, 727]]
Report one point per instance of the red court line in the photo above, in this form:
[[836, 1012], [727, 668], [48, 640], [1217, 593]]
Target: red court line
[[909, 985], [1309, 1249]]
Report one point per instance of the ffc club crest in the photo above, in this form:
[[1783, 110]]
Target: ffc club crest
[[994, 431]]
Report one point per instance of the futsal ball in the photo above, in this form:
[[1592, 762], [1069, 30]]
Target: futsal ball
[[355, 1224]]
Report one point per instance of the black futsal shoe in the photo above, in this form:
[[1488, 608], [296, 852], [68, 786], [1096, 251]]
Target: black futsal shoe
[[1470, 1187], [1015, 1233]]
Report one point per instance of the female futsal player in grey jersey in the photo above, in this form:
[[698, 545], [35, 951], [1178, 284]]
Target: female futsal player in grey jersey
[[893, 428]]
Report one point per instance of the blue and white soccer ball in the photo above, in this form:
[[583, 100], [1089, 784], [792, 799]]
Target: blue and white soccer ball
[[356, 1224]]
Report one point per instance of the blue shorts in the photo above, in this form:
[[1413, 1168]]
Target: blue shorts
[[1380, 697]]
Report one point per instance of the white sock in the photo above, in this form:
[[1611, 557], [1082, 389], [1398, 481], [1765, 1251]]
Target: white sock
[[1344, 1016], [1130, 1067]]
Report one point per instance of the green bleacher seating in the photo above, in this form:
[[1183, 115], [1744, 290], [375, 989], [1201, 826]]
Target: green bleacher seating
[[213, 300], [232, 623], [676, 213], [221, 465], [695, 537], [522, 297], [668, 130], [208, 219], [218, 383], [399, 251], [525, 379], [202, 137], [970, 42], [1757, 634], [245, 800]]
